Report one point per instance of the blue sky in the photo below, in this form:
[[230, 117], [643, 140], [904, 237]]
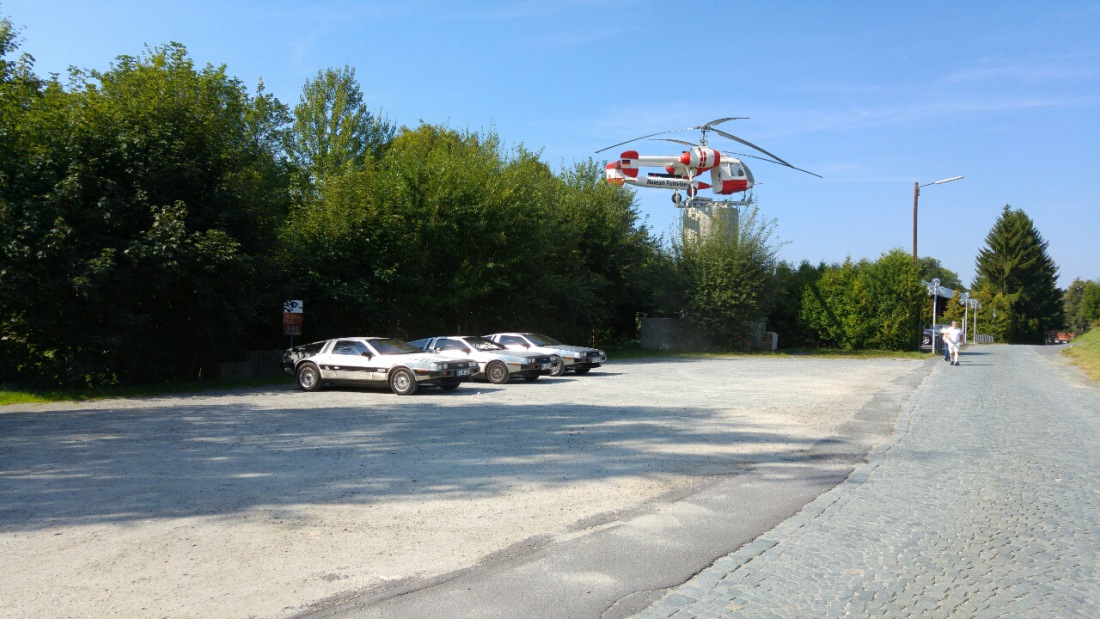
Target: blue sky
[[874, 96]]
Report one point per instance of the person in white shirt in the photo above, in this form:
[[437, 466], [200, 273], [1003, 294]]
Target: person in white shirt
[[952, 338]]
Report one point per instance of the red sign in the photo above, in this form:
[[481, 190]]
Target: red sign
[[292, 324]]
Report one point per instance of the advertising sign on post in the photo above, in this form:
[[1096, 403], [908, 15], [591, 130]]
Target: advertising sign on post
[[292, 318]]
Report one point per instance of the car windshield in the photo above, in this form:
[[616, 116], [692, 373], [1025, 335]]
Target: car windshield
[[480, 343], [539, 339], [393, 347]]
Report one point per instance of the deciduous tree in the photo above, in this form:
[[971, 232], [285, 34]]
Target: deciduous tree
[[138, 226], [333, 130], [1082, 305], [727, 276], [866, 305]]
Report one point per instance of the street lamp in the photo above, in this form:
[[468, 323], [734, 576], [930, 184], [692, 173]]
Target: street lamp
[[977, 306], [935, 291], [966, 313], [916, 194]]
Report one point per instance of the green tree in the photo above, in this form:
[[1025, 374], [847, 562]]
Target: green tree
[[954, 310], [333, 130], [1018, 278], [137, 231], [450, 232], [784, 319], [621, 264], [889, 298], [1088, 312], [866, 305], [930, 268], [727, 276], [826, 308], [1082, 305]]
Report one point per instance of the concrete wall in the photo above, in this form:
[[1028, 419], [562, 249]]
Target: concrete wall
[[677, 335], [671, 334], [260, 363]]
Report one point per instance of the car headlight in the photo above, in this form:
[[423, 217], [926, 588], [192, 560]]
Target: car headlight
[[436, 366]]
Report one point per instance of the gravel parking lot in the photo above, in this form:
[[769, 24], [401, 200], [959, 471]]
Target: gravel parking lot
[[269, 502]]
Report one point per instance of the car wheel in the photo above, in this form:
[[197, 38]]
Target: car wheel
[[497, 372], [402, 382], [559, 367], [581, 370], [449, 386], [309, 377]]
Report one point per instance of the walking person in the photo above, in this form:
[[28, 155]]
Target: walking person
[[952, 339]]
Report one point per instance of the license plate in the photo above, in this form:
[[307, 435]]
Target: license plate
[[547, 366], [462, 372]]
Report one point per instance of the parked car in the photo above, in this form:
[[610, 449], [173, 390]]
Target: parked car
[[929, 335], [1062, 337], [579, 359], [496, 363], [374, 362]]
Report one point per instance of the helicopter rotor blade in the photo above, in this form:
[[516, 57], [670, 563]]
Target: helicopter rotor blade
[[703, 127], [776, 159], [777, 163], [672, 140], [633, 140], [751, 145], [645, 137], [720, 121]]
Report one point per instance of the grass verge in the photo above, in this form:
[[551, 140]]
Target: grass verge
[[83, 395], [1085, 352]]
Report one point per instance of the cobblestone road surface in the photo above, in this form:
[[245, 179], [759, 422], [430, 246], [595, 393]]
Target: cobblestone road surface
[[985, 503]]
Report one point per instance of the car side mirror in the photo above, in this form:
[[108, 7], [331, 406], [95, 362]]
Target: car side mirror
[[465, 351], [366, 354]]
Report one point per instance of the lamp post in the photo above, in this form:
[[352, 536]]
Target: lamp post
[[977, 306], [966, 313], [935, 290], [916, 195]]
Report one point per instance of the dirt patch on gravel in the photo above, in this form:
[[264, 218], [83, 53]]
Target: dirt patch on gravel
[[259, 503]]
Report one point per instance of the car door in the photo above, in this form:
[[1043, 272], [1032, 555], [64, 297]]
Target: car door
[[351, 361]]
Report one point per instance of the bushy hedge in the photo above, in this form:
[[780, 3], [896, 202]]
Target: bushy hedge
[[854, 306]]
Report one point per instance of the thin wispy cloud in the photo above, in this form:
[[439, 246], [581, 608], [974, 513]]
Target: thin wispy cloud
[[1065, 69]]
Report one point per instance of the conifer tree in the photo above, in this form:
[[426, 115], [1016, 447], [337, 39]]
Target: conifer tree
[[1017, 278]]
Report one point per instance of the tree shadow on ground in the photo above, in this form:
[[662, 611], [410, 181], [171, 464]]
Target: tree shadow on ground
[[221, 455]]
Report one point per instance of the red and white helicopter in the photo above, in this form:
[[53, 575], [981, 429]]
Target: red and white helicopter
[[728, 175]]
